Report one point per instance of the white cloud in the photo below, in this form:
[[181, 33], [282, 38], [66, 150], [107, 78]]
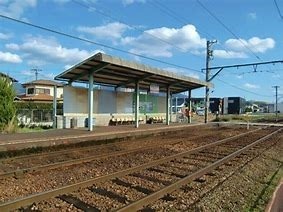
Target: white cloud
[[6, 36], [229, 54], [255, 44], [36, 62], [252, 15], [150, 44], [42, 50], [15, 8], [251, 86], [27, 73], [8, 57], [109, 31], [128, 2], [12, 46]]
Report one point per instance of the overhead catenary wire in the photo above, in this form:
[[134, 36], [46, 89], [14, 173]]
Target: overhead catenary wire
[[95, 43], [278, 9], [183, 20], [180, 19], [242, 89], [228, 29], [168, 11]]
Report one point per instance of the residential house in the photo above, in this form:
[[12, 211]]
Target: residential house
[[42, 91]]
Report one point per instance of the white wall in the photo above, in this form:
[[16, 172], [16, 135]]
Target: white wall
[[75, 100], [51, 88], [105, 105]]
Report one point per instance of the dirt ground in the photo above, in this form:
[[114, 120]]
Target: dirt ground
[[251, 188]]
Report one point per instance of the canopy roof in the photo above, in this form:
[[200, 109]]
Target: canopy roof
[[113, 71]]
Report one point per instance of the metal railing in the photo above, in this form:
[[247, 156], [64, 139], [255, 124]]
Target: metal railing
[[33, 116]]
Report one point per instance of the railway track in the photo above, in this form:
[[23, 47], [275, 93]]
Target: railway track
[[162, 177], [17, 166], [90, 145], [196, 196]]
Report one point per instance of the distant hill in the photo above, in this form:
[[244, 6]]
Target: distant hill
[[19, 88]]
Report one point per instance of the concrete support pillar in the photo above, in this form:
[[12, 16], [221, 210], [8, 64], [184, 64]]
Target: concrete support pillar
[[137, 105], [90, 103], [54, 107], [167, 105], [176, 104], [171, 108], [190, 106]]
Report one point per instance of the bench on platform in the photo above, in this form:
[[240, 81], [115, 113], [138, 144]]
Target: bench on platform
[[124, 120], [155, 119]]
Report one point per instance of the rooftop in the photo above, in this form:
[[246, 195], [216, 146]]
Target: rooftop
[[114, 71], [43, 82]]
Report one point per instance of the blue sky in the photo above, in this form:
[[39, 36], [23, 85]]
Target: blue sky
[[174, 31]]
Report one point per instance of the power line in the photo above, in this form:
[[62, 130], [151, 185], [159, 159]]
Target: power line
[[242, 89], [254, 72], [93, 42], [182, 20], [278, 9], [131, 26], [227, 28], [171, 13], [163, 8]]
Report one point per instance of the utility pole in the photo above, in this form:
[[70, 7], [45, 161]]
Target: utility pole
[[209, 56], [276, 100], [36, 70]]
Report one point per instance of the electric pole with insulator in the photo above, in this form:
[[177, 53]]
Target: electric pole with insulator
[[36, 71], [276, 100], [209, 56]]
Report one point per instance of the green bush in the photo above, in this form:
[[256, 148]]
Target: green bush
[[39, 106], [8, 121]]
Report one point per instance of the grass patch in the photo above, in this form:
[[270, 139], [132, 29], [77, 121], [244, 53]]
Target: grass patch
[[28, 130], [267, 191], [263, 118]]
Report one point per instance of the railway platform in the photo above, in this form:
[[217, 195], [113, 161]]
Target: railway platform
[[54, 137]]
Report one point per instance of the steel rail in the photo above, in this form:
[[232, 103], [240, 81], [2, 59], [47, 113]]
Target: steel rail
[[55, 165], [28, 200], [59, 152], [66, 151], [71, 149], [240, 167], [168, 189], [73, 162]]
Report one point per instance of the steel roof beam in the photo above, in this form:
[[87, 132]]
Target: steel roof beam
[[93, 70], [134, 80]]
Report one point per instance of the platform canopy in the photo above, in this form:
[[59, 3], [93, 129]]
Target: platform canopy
[[113, 71]]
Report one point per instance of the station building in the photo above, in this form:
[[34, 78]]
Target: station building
[[119, 92]]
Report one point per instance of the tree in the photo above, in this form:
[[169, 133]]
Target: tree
[[7, 105]]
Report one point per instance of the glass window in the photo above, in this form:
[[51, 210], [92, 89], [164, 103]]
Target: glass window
[[47, 91], [30, 90], [42, 91]]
